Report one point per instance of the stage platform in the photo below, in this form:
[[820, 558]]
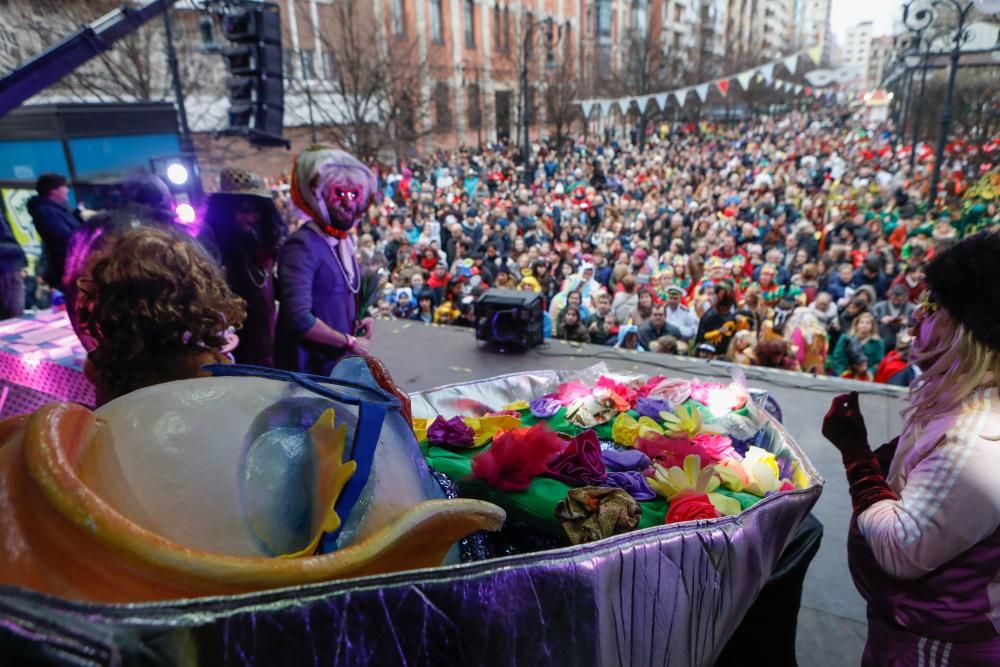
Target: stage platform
[[41, 362]]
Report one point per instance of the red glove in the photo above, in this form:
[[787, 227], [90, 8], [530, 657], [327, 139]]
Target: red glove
[[845, 428]]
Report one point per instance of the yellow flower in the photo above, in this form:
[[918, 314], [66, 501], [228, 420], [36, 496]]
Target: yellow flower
[[486, 427], [516, 405], [692, 477], [625, 430], [685, 420], [420, 428], [647, 425], [761, 468]]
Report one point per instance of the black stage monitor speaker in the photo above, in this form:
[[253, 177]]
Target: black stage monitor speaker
[[508, 318]]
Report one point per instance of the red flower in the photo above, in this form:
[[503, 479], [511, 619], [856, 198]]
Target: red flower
[[690, 506], [624, 391], [516, 457], [668, 452]]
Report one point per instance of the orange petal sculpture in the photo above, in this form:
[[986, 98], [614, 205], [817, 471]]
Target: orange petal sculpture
[[76, 525]]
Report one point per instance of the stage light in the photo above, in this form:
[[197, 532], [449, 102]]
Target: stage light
[[177, 173], [185, 214]]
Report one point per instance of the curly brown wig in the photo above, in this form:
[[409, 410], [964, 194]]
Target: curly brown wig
[[157, 308]]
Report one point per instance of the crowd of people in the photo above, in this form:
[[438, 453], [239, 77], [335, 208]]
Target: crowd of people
[[793, 241]]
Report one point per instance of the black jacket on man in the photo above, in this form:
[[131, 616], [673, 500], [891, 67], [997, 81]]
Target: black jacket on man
[[55, 223]]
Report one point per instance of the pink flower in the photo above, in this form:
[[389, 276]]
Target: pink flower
[[669, 452], [690, 506], [626, 393], [713, 447], [517, 457], [700, 390], [571, 391], [674, 390]]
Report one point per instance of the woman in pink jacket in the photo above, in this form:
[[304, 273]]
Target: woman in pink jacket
[[924, 545]]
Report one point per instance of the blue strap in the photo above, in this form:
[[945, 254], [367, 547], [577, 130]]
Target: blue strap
[[314, 383], [366, 437], [371, 416]]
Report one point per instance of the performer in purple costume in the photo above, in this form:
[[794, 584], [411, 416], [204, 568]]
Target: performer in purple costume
[[924, 546], [318, 272]]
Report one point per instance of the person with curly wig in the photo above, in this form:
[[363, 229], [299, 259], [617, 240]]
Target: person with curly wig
[[924, 543], [156, 309]]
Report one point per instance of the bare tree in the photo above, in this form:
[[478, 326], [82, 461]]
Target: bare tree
[[562, 89], [371, 102], [135, 69]]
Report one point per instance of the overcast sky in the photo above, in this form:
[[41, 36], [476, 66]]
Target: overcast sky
[[847, 13]]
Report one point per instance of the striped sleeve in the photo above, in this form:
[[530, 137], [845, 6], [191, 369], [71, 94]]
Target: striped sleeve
[[950, 503]]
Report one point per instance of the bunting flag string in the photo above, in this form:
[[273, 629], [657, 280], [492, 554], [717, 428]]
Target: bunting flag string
[[763, 73]]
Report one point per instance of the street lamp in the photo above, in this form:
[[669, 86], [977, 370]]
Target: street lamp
[[553, 34], [922, 19]]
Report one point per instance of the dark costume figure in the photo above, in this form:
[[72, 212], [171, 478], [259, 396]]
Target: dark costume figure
[[242, 232], [318, 271]]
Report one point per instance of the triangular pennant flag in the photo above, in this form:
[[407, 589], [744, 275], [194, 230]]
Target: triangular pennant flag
[[767, 71], [587, 106], [723, 85], [605, 106], [814, 54], [791, 63], [702, 91], [661, 101], [798, 89], [743, 78], [648, 102], [681, 96]]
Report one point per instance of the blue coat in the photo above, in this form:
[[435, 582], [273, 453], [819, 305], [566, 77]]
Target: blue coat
[[312, 286], [55, 223]]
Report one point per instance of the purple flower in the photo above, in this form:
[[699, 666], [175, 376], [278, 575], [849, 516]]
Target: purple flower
[[545, 407], [633, 483], [625, 459], [453, 433], [652, 406], [580, 462]]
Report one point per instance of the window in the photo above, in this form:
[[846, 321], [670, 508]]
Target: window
[[640, 10], [604, 18], [472, 103], [329, 65], [497, 32], [506, 29], [288, 63], [308, 59], [437, 30], [398, 18], [468, 12], [678, 13], [442, 107]]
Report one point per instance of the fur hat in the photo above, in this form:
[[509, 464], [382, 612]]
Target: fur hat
[[962, 280]]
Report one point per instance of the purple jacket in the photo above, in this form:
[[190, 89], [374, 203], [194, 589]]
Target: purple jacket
[[312, 286]]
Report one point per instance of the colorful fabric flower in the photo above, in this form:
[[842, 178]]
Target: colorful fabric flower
[[608, 397], [652, 406], [588, 412], [624, 460], [518, 406], [674, 390], [452, 433], [625, 430], [580, 462], [713, 447], [545, 407], [517, 457], [719, 398], [648, 427], [571, 391], [420, 428], [685, 420], [668, 452], [631, 482], [486, 427], [691, 506], [692, 477], [622, 391], [592, 513], [757, 473]]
